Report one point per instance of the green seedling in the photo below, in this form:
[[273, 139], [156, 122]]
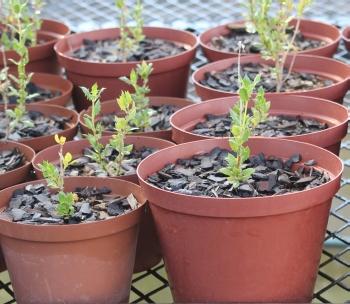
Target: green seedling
[[122, 128], [100, 152], [19, 89], [276, 42], [5, 82], [242, 125], [27, 19], [143, 112], [5, 85], [130, 36], [55, 179]]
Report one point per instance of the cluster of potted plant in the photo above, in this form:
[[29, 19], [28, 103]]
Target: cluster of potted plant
[[235, 191]]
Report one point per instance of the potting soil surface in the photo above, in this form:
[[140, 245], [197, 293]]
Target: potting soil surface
[[274, 126], [238, 34], [109, 51], [227, 80]]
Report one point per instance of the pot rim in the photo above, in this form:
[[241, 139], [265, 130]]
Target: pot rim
[[230, 61], [11, 53], [21, 147], [104, 138], [152, 99], [65, 93], [346, 34], [65, 56], [66, 228], [74, 120], [279, 112], [237, 207], [315, 22]]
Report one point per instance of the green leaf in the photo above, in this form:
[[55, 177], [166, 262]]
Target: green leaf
[[247, 173], [65, 204], [243, 94], [133, 77], [88, 122], [236, 130], [225, 171], [67, 160]]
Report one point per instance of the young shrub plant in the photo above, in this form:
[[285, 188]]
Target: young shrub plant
[[122, 128], [140, 75], [130, 36], [19, 89], [276, 42], [242, 125], [55, 180], [5, 82], [11, 21]]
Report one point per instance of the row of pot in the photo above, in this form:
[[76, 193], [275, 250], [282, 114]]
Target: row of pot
[[42, 57], [186, 248], [170, 74], [189, 114]]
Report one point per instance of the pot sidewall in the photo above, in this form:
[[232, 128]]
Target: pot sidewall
[[229, 245], [98, 256]]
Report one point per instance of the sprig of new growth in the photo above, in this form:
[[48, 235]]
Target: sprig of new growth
[[143, 112], [55, 179], [123, 124], [130, 36], [273, 33], [11, 21], [122, 128], [99, 153], [242, 125]]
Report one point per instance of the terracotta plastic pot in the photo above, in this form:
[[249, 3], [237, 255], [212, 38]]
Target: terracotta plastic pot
[[335, 115], [309, 28], [42, 57], [56, 84], [111, 107], [242, 249], [40, 143], [332, 69], [148, 252], [20, 174], [346, 37], [169, 77], [82, 263], [15, 176]]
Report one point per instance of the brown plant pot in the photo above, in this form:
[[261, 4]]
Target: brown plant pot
[[42, 57], [325, 67], [40, 143], [54, 83], [15, 176], [169, 77], [148, 252], [309, 28], [20, 174], [82, 263], [335, 115], [111, 107], [242, 249], [346, 37]]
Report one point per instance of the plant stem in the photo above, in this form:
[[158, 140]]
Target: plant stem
[[61, 183], [123, 34], [297, 26], [97, 135]]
